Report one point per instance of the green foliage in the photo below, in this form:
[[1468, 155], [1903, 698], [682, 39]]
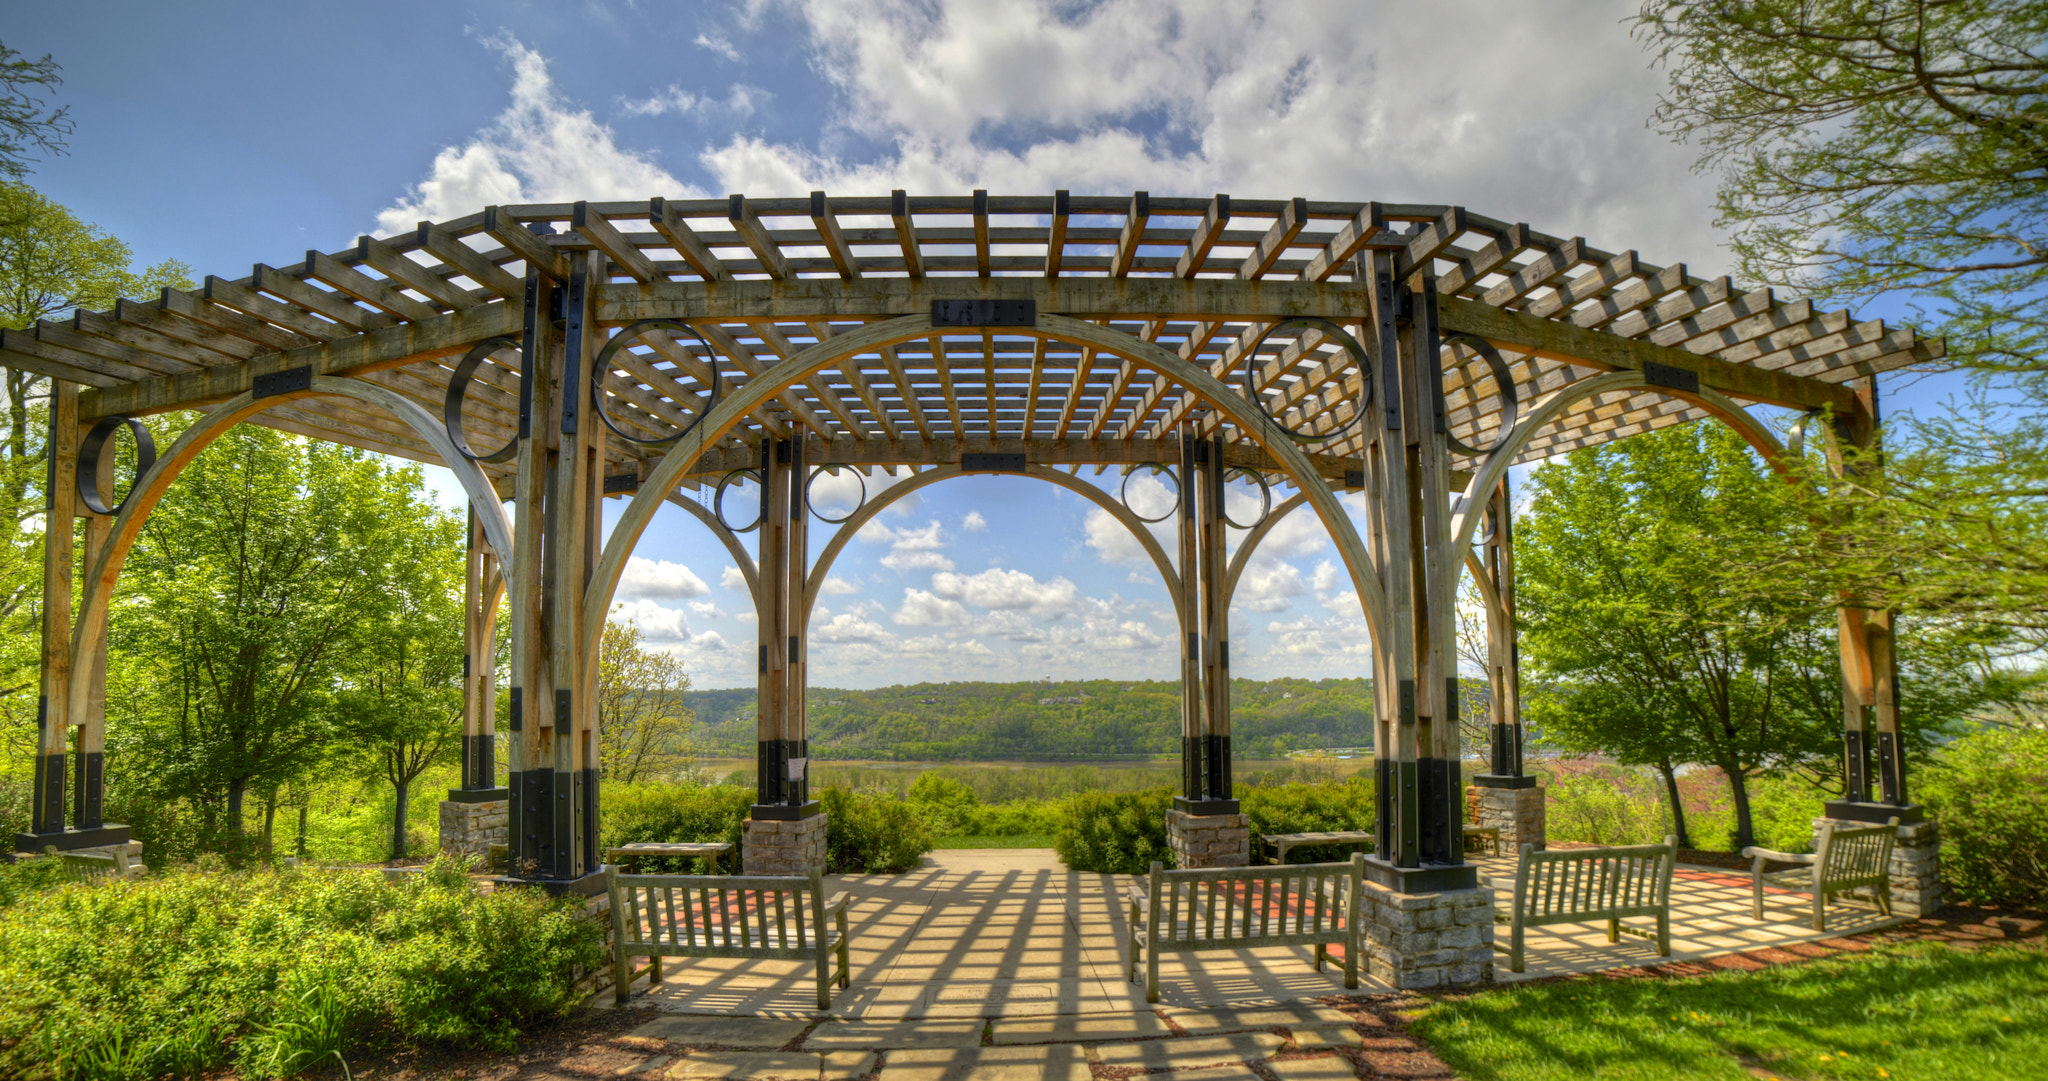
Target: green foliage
[[945, 805], [1312, 808], [940, 722], [673, 813], [871, 833], [27, 877], [1610, 806], [1923, 1010], [271, 972], [1989, 792], [1116, 832], [25, 118]]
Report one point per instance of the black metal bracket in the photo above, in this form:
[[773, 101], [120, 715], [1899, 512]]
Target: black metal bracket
[[621, 482], [1670, 377], [993, 463], [984, 313], [288, 381]]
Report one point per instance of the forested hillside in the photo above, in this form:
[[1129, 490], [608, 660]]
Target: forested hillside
[[1039, 720]]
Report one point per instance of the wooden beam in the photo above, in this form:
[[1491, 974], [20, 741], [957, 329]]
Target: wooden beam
[[1207, 232], [1133, 235], [981, 260], [756, 235], [1292, 217], [397, 267], [834, 237], [758, 301], [442, 335], [850, 451], [1056, 234], [335, 306], [535, 252], [685, 240], [906, 233], [613, 244], [1592, 348], [365, 288], [449, 248]]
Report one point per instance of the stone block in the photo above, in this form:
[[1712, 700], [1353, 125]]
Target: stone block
[[1458, 936], [1190, 1052]]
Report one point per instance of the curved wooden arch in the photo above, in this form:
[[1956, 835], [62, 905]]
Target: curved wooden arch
[[731, 540], [149, 489], [794, 369], [816, 582]]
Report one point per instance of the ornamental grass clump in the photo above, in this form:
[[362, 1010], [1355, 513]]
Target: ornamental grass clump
[[276, 972]]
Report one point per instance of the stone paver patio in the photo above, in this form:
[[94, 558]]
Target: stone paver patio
[[1013, 934]]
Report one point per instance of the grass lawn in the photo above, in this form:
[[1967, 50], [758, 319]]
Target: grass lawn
[[1021, 840], [1898, 1012]]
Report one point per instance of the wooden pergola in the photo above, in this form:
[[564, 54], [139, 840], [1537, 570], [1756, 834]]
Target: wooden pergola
[[555, 354]]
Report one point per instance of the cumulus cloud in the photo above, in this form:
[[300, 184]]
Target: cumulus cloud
[[707, 610], [541, 148], [732, 578], [656, 623], [1008, 589], [718, 43], [659, 578], [838, 587], [675, 99], [848, 627], [909, 549], [924, 609], [974, 522], [1267, 584], [913, 559]]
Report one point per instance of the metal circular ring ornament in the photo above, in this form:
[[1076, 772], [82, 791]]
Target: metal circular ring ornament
[[1795, 440], [1265, 498], [1123, 491], [458, 389], [89, 460], [1492, 527], [718, 500], [602, 367], [849, 514], [1510, 405], [1336, 334]]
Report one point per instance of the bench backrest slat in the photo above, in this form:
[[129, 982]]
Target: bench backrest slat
[[1854, 855], [1564, 882]]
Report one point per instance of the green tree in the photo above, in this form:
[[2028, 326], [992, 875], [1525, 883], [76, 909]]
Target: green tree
[[401, 696], [1647, 657], [26, 119], [642, 710], [244, 611]]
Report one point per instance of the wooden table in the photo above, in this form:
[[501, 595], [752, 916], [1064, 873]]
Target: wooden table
[[1281, 842], [628, 855]]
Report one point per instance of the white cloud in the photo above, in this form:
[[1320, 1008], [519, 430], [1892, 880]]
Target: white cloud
[[675, 99], [913, 559], [1267, 584], [542, 148], [974, 522], [657, 624], [732, 578], [707, 610], [1008, 589], [661, 579], [838, 587], [922, 609], [718, 43], [847, 627], [1326, 576]]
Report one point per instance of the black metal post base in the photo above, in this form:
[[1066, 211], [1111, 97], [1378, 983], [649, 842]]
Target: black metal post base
[[783, 812], [1205, 806], [478, 795], [589, 885], [1878, 813], [72, 840], [1428, 878], [1495, 780]]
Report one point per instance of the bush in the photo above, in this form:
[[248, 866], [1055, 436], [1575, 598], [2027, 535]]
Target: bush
[[1312, 808], [27, 877], [185, 972], [1989, 792], [1115, 832], [1020, 819], [1605, 805], [871, 833], [946, 806], [674, 813]]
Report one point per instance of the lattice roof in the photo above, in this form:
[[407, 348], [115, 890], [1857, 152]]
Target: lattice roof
[[761, 279]]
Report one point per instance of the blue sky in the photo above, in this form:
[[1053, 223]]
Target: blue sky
[[230, 133]]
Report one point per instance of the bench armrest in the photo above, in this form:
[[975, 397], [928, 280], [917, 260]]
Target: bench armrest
[[1754, 852], [1135, 894], [837, 908]]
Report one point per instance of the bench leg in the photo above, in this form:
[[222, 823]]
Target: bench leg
[[1152, 973], [1820, 902], [1884, 897], [1515, 947], [1756, 894], [1322, 955], [1664, 931], [824, 978], [622, 977], [1613, 929], [845, 965]]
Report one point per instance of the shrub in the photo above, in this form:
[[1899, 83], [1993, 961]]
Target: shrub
[[1989, 792], [28, 876], [871, 833], [945, 805], [1115, 832], [1312, 808], [185, 972], [673, 813], [1604, 805], [1019, 819]]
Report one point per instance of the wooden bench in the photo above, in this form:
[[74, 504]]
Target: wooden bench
[[1277, 844], [629, 855], [1241, 908], [1489, 834], [752, 916], [1843, 860], [1580, 885], [87, 867]]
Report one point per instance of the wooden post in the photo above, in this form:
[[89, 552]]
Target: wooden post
[[772, 681], [89, 763], [1193, 720], [483, 586], [530, 825], [53, 712], [1503, 654], [796, 564], [1870, 685], [1420, 839], [1214, 566]]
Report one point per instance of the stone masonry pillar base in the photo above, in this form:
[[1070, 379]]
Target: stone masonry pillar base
[[1916, 866], [776, 847], [1209, 840], [470, 829], [1423, 941], [1516, 812]]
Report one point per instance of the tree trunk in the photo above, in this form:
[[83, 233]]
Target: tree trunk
[[1745, 826], [236, 788], [301, 846], [1670, 773], [269, 825], [398, 820]]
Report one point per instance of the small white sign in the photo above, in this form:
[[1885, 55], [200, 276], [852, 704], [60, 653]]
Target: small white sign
[[796, 768]]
